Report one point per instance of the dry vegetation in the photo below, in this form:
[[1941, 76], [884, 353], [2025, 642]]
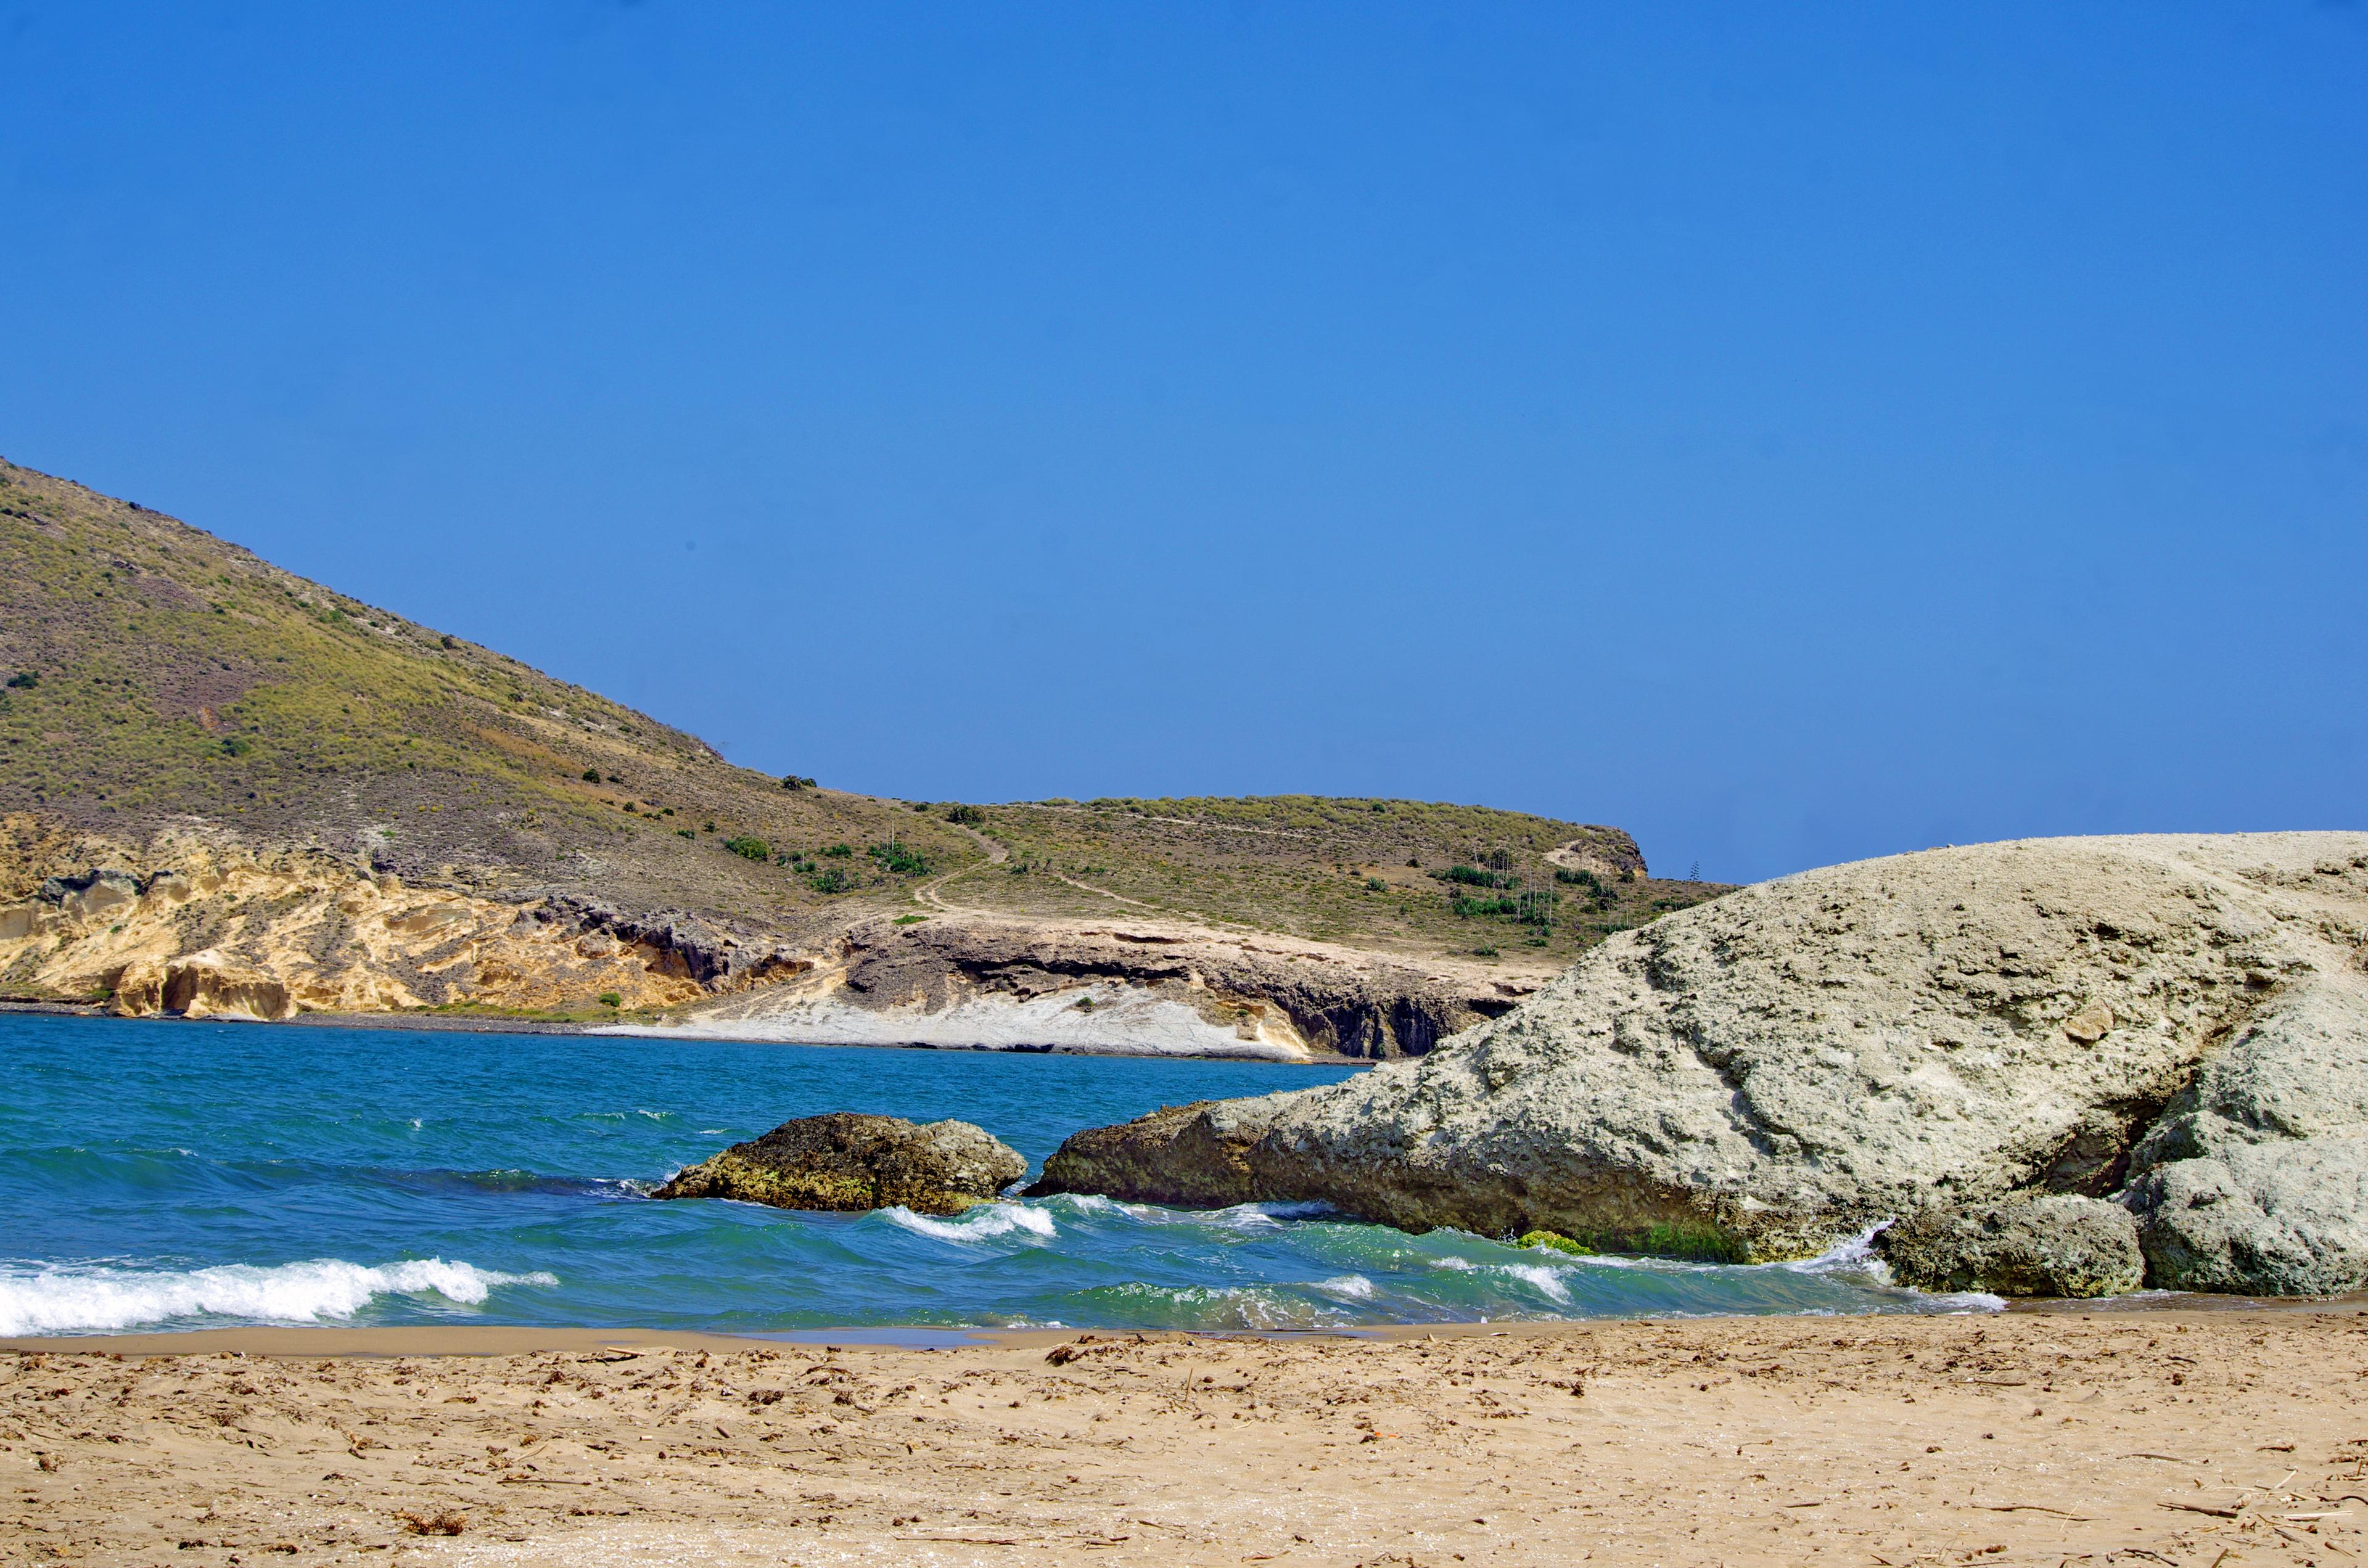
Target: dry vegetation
[[1403, 875]]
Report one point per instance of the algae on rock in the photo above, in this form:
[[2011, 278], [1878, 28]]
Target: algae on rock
[[846, 1162]]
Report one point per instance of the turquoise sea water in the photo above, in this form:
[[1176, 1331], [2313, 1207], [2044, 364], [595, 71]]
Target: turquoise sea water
[[168, 1174]]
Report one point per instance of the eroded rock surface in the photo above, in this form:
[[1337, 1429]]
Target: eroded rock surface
[[1767, 1075], [1253, 995], [2060, 1244], [846, 1162]]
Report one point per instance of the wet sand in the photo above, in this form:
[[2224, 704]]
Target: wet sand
[[2174, 1436]]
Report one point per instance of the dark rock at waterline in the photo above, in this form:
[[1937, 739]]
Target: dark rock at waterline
[[1190, 1156], [846, 1162], [2062, 1245]]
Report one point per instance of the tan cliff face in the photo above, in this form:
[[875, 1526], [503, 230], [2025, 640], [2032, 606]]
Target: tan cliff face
[[202, 930], [197, 927]]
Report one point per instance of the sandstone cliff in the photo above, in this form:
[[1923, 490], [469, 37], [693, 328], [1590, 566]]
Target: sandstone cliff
[[198, 927], [2178, 1024]]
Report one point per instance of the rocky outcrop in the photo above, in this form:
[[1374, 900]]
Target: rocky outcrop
[[1116, 985], [846, 1162], [2172, 1022], [2256, 1178], [1192, 1156], [202, 985], [2061, 1244]]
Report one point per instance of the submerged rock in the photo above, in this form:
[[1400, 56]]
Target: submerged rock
[[2177, 1021], [845, 1162], [2062, 1245]]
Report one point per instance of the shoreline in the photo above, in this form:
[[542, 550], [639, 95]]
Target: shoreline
[[305, 1341], [468, 1024]]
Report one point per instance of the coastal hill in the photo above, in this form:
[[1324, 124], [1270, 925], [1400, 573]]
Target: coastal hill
[[227, 785]]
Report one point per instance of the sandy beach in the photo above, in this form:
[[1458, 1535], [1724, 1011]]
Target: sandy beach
[[2175, 1436]]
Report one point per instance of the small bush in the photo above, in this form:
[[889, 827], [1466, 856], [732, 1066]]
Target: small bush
[[24, 681], [748, 848], [908, 920], [894, 857], [235, 745], [591, 776], [684, 833], [1472, 877], [838, 851], [448, 641], [1465, 908], [1375, 884], [966, 816], [611, 999], [830, 879]]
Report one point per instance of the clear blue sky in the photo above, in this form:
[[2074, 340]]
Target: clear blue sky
[[1792, 433]]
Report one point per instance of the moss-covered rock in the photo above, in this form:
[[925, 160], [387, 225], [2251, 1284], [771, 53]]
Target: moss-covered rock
[[845, 1162], [1559, 1241]]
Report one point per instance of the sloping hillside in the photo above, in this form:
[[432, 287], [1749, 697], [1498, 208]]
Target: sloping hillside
[[162, 680], [243, 752]]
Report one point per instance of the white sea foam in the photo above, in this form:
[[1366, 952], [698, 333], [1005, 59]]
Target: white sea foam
[[94, 1298], [1545, 1279], [980, 1223], [1347, 1287]]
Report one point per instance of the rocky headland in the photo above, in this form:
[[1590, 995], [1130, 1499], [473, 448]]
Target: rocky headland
[[2059, 1066], [228, 791]]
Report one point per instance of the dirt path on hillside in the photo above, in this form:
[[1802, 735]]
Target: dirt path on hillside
[[928, 891], [2188, 1439]]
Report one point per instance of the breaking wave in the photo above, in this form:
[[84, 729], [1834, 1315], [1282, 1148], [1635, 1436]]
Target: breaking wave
[[982, 1224], [100, 1300]]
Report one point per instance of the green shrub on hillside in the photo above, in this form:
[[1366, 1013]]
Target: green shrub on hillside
[[830, 879], [966, 816], [749, 848], [895, 858]]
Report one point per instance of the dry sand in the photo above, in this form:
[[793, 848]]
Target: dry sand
[[2201, 1438]]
